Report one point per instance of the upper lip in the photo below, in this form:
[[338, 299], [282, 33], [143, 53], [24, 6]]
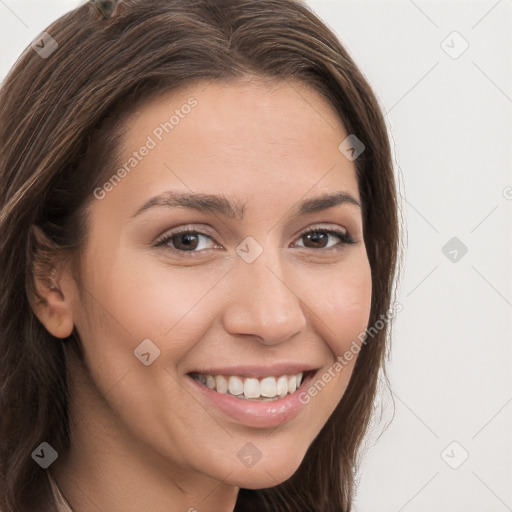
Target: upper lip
[[258, 371]]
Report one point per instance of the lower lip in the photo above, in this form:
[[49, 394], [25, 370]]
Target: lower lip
[[264, 414]]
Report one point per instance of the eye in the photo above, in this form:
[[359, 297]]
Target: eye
[[187, 240], [194, 242], [318, 237]]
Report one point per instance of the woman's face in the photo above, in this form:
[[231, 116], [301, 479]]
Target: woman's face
[[247, 300]]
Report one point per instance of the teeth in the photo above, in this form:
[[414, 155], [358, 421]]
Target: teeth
[[236, 386], [282, 386], [210, 382], [292, 384], [268, 388], [252, 388], [221, 384]]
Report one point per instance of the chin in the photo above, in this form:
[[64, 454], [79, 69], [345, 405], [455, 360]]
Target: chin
[[264, 475]]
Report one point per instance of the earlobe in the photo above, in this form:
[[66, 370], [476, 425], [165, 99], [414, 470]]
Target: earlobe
[[54, 311]]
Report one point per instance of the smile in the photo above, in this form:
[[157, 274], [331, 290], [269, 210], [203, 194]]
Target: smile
[[264, 389]]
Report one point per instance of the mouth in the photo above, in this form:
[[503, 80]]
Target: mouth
[[255, 397], [265, 389]]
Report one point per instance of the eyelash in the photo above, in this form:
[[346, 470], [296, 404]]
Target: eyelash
[[345, 238]]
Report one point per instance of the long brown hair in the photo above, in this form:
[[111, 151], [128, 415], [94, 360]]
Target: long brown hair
[[61, 124]]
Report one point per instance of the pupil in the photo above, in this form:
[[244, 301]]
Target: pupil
[[316, 237], [188, 239]]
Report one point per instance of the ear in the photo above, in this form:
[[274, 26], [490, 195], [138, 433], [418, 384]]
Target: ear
[[55, 286]]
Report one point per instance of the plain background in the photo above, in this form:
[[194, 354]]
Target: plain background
[[449, 111]]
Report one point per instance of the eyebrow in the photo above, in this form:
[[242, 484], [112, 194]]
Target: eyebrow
[[222, 205]]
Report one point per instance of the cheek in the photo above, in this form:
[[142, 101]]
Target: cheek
[[152, 301], [342, 312], [345, 313], [344, 306]]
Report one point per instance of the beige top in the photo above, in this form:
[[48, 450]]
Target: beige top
[[62, 504]]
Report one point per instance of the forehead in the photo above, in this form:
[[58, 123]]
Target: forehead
[[265, 141], [243, 111]]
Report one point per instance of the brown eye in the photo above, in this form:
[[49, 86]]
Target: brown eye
[[318, 238], [185, 241]]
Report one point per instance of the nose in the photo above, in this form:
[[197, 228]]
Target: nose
[[262, 303]]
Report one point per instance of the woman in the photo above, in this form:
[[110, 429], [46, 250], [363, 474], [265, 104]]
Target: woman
[[199, 227]]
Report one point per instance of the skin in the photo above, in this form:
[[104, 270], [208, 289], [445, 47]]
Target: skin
[[142, 438]]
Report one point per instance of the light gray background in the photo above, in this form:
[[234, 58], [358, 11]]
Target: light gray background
[[451, 123]]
